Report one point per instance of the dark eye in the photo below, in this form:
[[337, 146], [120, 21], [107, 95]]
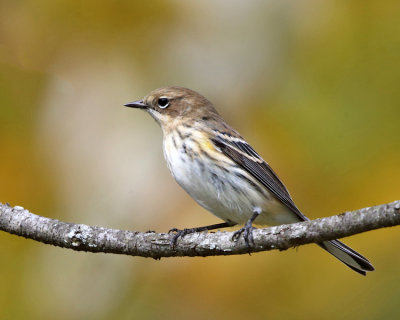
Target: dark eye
[[163, 102]]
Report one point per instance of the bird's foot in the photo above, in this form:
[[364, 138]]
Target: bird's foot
[[247, 232], [180, 233], [184, 232]]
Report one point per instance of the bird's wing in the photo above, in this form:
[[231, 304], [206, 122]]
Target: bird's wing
[[244, 155]]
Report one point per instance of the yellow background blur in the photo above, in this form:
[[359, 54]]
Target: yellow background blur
[[312, 85]]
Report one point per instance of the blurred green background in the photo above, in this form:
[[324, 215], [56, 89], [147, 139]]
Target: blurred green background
[[312, 85]]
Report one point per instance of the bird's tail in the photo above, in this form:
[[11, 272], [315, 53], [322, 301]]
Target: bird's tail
[[348, 256]]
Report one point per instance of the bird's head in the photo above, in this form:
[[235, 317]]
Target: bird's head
[[170, 104]]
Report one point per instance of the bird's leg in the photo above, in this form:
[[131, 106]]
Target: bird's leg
[[183, 232], [248, 228]]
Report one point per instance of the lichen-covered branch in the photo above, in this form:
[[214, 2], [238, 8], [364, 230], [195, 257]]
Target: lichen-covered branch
[[16, 220]]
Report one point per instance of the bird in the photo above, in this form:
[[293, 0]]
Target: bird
[[215, 165]]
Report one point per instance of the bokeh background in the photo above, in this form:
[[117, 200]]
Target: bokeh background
[[312, 85]]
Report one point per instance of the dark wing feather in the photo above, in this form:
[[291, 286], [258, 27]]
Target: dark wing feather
[[245, 156]]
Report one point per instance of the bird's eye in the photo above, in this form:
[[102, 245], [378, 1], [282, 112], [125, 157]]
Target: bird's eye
[[163, 102]]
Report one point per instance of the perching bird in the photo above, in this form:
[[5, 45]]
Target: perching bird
[[222, 172]]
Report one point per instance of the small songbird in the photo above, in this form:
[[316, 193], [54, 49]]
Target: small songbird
[[222, 172]]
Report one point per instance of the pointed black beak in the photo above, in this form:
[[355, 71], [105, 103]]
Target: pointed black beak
[[137, 104]]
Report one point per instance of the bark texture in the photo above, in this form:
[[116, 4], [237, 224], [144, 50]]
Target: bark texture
[[19, 221]]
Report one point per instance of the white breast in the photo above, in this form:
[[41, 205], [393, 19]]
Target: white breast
[[219, 188]]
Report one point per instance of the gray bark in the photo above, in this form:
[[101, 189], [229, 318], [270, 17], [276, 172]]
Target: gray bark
[[19, 221]]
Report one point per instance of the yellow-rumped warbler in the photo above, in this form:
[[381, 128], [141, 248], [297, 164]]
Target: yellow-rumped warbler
[[222, 172]]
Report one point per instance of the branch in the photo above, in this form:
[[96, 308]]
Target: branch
[[80, 237]]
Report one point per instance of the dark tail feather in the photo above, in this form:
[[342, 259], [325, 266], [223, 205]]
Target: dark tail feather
[[348, 256]]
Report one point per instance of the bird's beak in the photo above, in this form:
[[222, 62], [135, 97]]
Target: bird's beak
[[137, 104]]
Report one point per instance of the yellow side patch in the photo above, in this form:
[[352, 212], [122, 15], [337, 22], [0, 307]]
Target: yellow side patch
[[207, 144], [204, 141]]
